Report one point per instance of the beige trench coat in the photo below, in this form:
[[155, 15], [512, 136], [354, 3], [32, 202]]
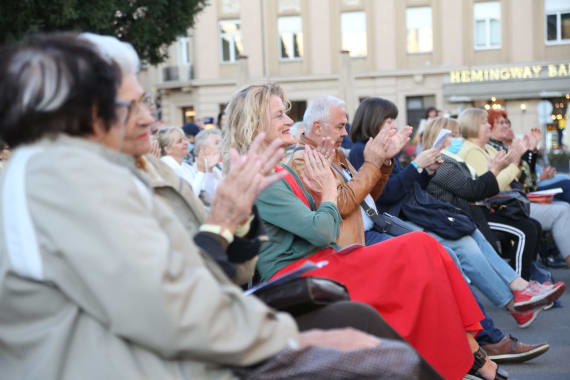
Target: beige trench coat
[[99, 279]]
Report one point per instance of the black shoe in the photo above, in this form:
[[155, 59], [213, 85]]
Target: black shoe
[[555, 262]]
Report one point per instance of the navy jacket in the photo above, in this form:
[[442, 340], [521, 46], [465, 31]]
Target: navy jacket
[[400, 185]]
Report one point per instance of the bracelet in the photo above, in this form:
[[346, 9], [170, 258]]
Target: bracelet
[[415, 165]]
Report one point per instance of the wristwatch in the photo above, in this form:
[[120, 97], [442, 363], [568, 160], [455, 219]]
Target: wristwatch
[[219, 230], [415, 165]]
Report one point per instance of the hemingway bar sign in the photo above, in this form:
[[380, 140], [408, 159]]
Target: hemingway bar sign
[[510, 72]]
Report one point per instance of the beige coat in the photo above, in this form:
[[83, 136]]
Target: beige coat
[[99, 280], [177, 193], [478, 159]]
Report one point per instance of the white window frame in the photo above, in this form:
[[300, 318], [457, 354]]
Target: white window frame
[[290, 59], [558, 12], [183, 51], [407, 29], [233, 58], [487, 21], [354, 55]]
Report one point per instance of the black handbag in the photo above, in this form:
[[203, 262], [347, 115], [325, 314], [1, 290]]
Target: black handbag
[[386, 223], [303, 294], [512, 204], [442, 218]]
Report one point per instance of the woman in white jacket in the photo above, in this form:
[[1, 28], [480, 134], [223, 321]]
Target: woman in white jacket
[[204, 175]]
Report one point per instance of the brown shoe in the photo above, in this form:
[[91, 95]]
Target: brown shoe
[[509, 349]]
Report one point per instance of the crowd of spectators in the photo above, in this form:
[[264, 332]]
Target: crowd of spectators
[[126, 246]]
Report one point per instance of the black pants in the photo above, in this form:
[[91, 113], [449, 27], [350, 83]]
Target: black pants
[[525, 232]]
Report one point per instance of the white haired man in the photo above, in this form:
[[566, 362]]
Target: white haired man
[[325, 127]]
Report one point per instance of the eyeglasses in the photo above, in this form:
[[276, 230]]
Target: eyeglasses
[[123, 113], [134, 108]]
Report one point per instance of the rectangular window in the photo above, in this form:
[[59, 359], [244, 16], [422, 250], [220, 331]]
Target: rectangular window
[[557, 21], [188, 114], [231, 45], [416, 107], [290, 37], [419, 35], [353, 31], [183, 51], [487, 21]]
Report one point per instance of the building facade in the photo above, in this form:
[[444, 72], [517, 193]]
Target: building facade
[[450, 54]]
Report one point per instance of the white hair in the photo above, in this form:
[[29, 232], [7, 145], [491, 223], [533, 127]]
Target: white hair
[[320, 110], [295, 129], [202, 138], [46, 84], [112, 49]]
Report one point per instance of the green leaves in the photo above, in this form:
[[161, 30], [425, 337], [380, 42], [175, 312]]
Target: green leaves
[[148, 25]]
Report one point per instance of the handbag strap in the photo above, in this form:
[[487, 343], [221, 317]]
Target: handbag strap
[[379, 220], [294, 185], [367, 209]]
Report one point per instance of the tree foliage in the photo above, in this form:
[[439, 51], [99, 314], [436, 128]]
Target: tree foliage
[[149, 25]]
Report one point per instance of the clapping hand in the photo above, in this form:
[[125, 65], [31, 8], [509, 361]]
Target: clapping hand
[[547, 173], [318, 176], [517, 149], [326, 149], [249, 175], [398, 141], [387, 143], [430, 159], [154, 148], [346, 339], [500, 161], [208, 158]]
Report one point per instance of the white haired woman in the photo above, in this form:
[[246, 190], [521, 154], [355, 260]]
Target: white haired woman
[[205, 174]]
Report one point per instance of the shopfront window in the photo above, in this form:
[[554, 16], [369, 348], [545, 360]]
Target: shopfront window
[[419, 35], [557, 21], [487, 25], [353, 30]]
